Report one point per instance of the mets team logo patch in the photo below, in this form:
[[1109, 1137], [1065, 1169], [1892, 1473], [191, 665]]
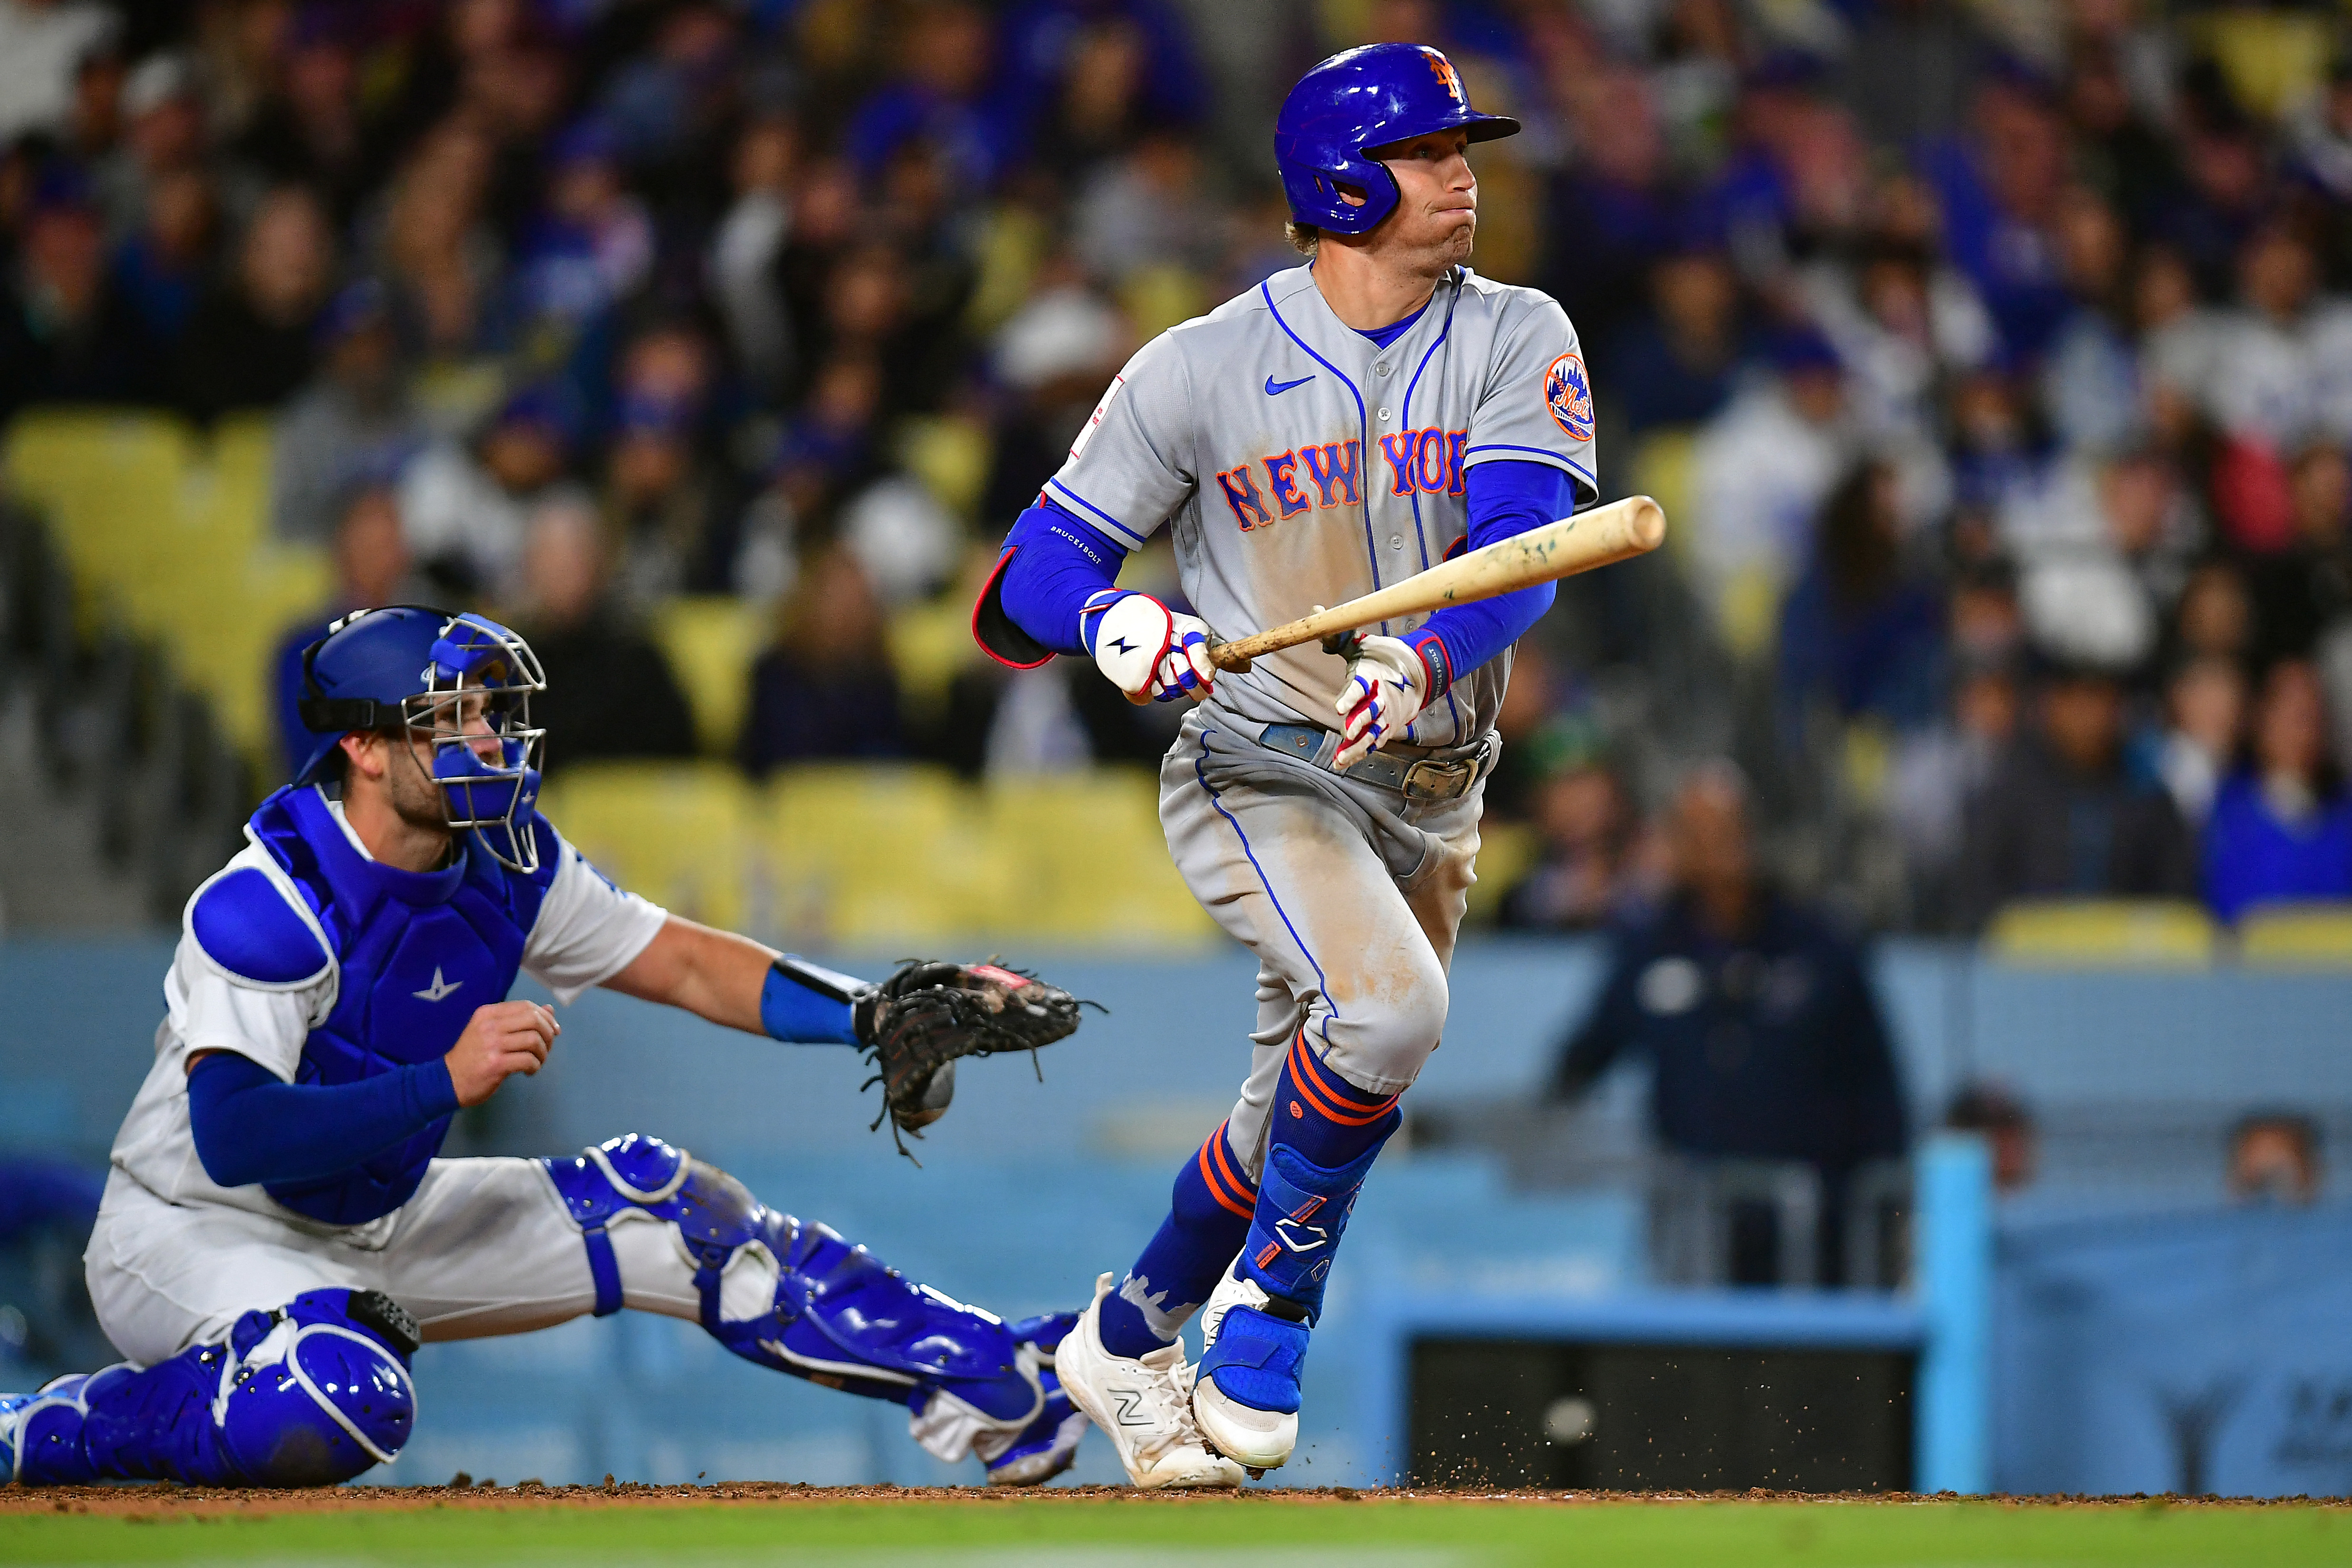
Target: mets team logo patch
[[1447, 77], [1569, 394]]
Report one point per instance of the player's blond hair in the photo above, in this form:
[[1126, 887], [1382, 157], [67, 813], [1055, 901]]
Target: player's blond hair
[[1303, 237]]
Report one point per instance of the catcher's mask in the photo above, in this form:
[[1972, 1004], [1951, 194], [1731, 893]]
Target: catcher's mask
[[461, 682]]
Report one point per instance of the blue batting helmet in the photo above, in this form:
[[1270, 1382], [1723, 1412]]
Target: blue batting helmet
[[1358, 99], [461, 682]]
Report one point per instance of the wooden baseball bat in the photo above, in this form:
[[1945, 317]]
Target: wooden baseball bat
[[1602, 536]]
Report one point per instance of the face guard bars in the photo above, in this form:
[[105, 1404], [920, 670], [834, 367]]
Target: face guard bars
[[476, 710]]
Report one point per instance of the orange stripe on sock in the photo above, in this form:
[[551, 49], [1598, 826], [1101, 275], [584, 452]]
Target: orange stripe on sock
[[1220, 1189], [1240, 1184], [1310, 1076]]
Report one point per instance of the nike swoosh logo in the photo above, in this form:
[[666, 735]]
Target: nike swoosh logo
[[1275, 389], [438, 988]]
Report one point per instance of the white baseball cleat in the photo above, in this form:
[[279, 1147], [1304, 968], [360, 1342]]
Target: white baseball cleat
[[1144, 1406], [1262, 1359]]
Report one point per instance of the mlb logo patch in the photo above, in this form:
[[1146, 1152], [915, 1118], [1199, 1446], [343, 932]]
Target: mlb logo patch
[[1568, 393]]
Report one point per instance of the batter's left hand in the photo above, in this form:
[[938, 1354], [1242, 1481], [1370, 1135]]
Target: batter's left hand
[[1387, 687]]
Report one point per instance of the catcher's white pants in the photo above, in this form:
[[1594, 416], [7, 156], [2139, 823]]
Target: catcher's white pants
[[1349, 895], [484, 1248]]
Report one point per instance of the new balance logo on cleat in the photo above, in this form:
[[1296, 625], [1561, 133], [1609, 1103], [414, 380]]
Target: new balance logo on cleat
[[1143, 1405], [436, 990]]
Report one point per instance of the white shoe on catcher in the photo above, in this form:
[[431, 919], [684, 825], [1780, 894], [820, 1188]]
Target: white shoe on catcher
[[1144, 1406], [1265, 1371]]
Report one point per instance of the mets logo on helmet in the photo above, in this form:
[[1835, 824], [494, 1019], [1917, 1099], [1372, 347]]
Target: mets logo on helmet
[[1447, 77], [1569, 393]]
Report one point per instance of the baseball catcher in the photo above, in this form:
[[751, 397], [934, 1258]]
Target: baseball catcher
[[278, 1237]]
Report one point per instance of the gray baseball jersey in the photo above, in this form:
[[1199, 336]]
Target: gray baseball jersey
[[1299, 463]]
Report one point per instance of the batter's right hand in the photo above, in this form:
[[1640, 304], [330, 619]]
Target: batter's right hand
[[1148, 651], [501, 1040]]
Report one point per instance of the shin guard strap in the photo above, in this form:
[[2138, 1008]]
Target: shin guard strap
[[604, 1269]]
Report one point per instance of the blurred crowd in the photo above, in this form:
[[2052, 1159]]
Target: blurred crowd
[[1988, 352]]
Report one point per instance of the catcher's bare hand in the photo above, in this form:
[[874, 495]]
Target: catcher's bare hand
[[501, 1040], [918, 1022]]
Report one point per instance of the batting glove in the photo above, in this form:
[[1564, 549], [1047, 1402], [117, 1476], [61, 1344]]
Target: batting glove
[[1386, 688], [1150, 653]]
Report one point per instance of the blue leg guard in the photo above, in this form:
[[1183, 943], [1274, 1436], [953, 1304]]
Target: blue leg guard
[[838, 1316], [1258, 1352], [1049, 1443], [309, 1394]]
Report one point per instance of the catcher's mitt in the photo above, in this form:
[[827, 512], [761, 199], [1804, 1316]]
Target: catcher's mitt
[[915, 1025]]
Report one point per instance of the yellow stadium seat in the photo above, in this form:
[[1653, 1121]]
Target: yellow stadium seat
[[1662, 470], [2297, 936], [1505, 852], [2102, 933], [169, 532], [931, 643], [1157, 298], [1089, 862], [950, 454], [711, 644], [677, 832], [2274, 61], [863, 854]]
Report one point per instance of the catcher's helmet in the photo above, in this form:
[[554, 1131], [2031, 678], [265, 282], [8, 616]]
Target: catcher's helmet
[[464, 682], [1362, 98]]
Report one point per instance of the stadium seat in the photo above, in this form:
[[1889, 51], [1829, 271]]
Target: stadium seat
[[1662, 469], [2274, 60], [674, 831], [711, 643], [1090, 861], [169, 532], [2297, 936], [878, 854], [950, 454], [2102, 933], [1505, 852]]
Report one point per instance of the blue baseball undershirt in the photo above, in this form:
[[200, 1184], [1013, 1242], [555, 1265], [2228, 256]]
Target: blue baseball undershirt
[[1057, 562], [251, 1128]]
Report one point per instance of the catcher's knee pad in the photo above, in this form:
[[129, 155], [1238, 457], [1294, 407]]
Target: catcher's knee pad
[[311, 1394], [836, 1315]]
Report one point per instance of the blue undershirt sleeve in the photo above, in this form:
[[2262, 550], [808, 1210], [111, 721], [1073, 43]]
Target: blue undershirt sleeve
[[1054, 564], [250, 1127], [1506, 498]]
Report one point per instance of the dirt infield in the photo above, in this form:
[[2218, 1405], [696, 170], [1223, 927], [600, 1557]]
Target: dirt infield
[[169, 1500]]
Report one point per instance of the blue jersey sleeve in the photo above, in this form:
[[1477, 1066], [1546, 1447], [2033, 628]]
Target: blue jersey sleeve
[[1052, 564], [1506, 498], [250, 1127]]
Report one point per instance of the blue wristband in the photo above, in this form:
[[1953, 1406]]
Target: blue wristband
[[805, 1005]]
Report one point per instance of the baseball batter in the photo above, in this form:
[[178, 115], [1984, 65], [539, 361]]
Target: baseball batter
[[277, 1236], [1339, 427]]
